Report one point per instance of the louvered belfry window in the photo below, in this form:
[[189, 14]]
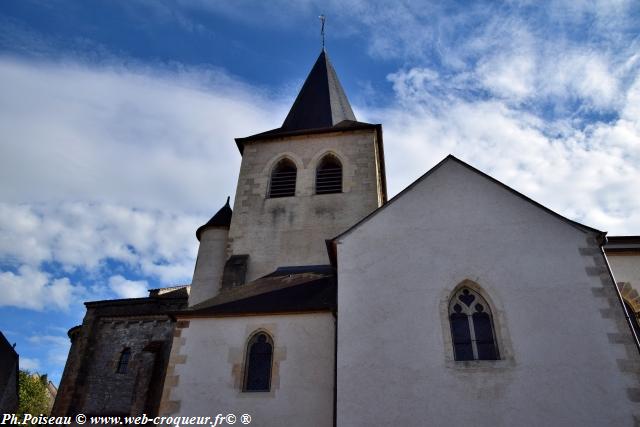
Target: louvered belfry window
[[329, 176], [283, 179]]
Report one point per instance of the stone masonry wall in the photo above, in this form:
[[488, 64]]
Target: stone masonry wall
[[90, 383], [112, 392], [292, 230]]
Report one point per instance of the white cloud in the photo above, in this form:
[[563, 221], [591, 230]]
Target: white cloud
[[113, 163], [509, 76], [586, 75], [128, 288], [56, 347], [85, 235], [118, 163], [34, 289], [415, 84], [28, 364], [157, 139], [587, 173], [136, 147]]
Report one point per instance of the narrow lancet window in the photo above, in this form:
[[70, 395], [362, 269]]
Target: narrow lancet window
[[329, 175], [258, 363], [123, 362], [283, 179], [472, 328]]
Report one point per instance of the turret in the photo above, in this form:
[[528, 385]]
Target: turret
[[211, 256]]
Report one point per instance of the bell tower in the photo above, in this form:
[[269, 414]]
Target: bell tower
[[299, 185], [306, 181]]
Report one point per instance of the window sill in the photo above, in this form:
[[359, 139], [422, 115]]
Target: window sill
[[480, 365], [251, 394]]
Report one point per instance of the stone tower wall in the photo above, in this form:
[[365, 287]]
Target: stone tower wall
[[291, 231]]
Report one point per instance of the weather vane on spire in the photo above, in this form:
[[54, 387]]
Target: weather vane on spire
[[322, 19]]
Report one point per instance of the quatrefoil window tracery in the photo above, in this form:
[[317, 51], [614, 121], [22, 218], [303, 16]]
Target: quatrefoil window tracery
[[472, 328]]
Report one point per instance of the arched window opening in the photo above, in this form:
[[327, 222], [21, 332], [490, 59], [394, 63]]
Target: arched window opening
[[472, 327], [329, 175], [634, 318], [283, 179], [258, 363], [123, 362]]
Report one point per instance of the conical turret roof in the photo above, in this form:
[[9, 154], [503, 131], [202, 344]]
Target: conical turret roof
[[222, 218]]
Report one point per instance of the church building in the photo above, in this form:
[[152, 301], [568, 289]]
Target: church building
[[319, 302]]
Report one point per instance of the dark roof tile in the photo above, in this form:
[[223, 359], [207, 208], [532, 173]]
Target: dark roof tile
[[222, 218], [321, 101], [321, 106], [288, 289]]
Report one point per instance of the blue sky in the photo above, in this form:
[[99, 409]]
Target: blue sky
[[117, 122]]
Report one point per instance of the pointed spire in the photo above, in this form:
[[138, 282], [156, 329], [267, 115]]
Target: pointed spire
[[222, 218], [321, 102]]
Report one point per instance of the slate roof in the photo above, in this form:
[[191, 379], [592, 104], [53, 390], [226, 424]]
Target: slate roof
[[178, 291], [622, 244], [623, 239], [286, 290], [321, 106], [222, 218], [171, 293], [321, 101], [344, 125]]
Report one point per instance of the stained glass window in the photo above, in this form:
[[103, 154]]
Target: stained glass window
[[258, 365], [472, 328]]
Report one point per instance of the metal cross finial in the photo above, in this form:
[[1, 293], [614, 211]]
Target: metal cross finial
[[322, 19]]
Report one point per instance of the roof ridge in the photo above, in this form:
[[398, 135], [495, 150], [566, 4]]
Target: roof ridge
[[451, 157]]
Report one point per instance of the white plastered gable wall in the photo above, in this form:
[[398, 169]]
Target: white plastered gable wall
[[554, 308]]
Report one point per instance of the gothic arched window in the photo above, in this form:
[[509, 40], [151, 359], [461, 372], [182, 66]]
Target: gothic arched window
[[472, 327], [283, 179], [258, 363], [123, 362], [329, 175]]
